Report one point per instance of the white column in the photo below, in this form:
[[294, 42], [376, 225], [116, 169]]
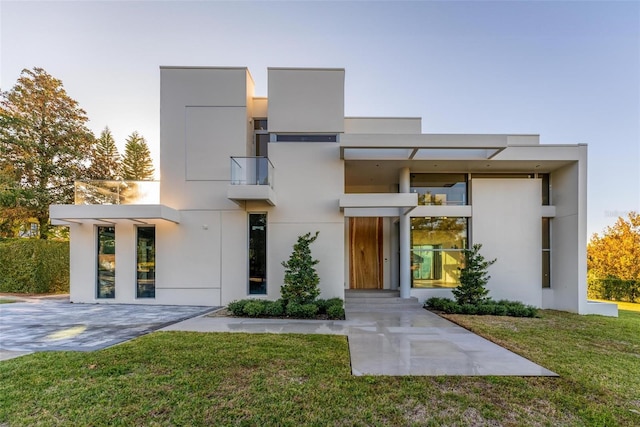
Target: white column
[[405, 239]]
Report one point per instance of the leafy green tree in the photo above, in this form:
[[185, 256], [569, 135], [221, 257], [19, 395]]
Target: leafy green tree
[[105, 159], [300, 277], [473, 278], [137, 164], [616, 253], [46, 145]]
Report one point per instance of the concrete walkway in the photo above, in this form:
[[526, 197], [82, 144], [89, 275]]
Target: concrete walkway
[[52, 323], [392, 341]]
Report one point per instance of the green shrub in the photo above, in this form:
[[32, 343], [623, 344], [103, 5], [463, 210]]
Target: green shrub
[[335, 312], [254, 308], [309, 310], [486, 309], [613, 289], [436, 303], [237, 307], [273, 308], [293, 309], [34, 266], [451, 307], [335, 301], [301, 311], [322, 305], [499, 310], [468, 309]]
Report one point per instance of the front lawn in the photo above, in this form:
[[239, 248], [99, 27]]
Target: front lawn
[[177, 378]]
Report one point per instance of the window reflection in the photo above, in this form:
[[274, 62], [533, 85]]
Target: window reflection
[[437, 245], [146, 263], [440, 188], [106, 274]]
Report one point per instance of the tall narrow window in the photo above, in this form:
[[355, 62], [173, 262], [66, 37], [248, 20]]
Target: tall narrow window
[[546, 253], [257, 253], [106, 274], [546, 189], [146, 262], [261, 149]]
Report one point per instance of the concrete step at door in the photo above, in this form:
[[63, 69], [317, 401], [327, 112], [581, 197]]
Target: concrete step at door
[[371, 293]]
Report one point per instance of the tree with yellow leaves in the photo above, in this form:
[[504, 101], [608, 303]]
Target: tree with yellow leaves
[[613, 260]]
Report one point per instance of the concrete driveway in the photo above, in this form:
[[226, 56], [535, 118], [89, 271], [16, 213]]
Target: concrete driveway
[[52, 323]]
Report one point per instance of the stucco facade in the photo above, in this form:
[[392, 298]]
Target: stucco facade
[[242, 177]]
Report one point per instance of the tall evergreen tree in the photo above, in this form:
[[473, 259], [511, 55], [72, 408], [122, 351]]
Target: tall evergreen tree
[[137, 164], [474, 277], [45, 140], [105, 159], [300, 277]]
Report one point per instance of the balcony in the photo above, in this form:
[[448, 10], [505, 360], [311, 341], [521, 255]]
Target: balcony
[[104, 192], [251, 179], [109, 202]]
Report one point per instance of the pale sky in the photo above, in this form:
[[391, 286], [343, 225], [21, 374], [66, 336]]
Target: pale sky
[[569, 71]]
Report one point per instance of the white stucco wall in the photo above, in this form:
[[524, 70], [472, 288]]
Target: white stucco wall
[[383, 125], [306, 100], [506, 221], [308, 181]]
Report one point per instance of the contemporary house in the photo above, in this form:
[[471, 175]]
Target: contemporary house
[[241, 177]]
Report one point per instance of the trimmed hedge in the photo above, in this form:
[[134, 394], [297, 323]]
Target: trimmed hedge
[[614, 289], [494, 308], [333, 308], [34, 266]]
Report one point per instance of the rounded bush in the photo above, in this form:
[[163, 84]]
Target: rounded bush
[[334, 301], [237, 307], [273, 308], [322, 305], [301, 311], [451, 307], [486, 309], [293, 309], [254, 308], [436, 303], [500, 310], [335, 312], [309, 310], [468, 309]]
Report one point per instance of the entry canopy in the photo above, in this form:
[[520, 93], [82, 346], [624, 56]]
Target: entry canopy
[[421, 146]]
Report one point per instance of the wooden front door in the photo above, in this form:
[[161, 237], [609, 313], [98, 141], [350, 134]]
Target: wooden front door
[[365, 253]]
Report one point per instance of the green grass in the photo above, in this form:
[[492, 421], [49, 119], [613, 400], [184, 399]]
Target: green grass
[[7, 301], [177, 378], [628, 306]]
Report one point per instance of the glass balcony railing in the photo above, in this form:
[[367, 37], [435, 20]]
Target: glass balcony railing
[[251, 171], [104, 192]]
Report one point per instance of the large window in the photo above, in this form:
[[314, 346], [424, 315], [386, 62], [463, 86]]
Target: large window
[[257, 253], [106, 274], [440, 188], [437, 246], [146, 262]]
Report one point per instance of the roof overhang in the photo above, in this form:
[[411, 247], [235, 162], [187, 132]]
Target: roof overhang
[[101, 214], [378, 204], [421, 146]]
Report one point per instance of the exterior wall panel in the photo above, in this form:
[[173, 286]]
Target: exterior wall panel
[[506, 221], [306, 100]]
